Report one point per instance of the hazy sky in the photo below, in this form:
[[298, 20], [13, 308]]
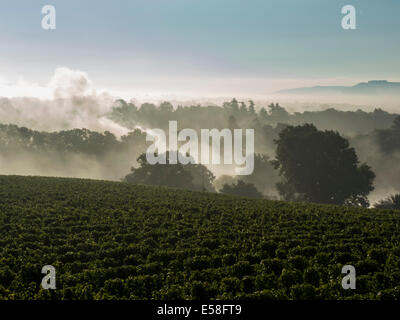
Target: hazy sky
[[202, 46]]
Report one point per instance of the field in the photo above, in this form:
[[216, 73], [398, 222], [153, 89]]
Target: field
[[110, 240]]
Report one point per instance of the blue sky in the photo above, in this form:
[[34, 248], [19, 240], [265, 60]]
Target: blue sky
[[172, 43]]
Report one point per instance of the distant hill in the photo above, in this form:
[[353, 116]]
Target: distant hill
[[370, 87]]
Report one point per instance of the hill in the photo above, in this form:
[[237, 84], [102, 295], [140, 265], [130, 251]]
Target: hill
[[370, 87], [110, 240]]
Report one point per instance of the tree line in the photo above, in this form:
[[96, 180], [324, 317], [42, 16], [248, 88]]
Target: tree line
[[306, 163]]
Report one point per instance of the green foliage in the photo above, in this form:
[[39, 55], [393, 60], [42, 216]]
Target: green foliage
[[189, 176], [110, 240], [167, 175], [319, 166], [389, 139], [391, 202], [240, 188]]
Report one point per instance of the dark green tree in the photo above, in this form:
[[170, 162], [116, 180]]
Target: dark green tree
[[391, 202], [389, 139], [189, 176], [202, 177], [241, 189], [167, 175], [320, 166]]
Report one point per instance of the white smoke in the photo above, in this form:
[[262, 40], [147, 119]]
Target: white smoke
[[70, 102]]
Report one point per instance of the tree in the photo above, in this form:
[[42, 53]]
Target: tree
[[396, 124], [391, 202], [202, 177], [389, 139], [167, 175], [263, 114], [223, 180], [241, 189], [243, 107], [278, 113], [190, 176], [319, 166], [232, 105], [264, 176], [252, 109], [166, 107], [232, 123]]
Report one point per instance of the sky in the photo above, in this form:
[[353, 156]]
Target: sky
[[198, 48]]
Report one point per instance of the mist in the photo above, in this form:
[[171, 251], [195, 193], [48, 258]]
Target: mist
[[67, 101], [51, 136], [384, 165]]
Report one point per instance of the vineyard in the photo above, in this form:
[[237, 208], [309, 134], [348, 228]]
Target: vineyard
[[110, 240]]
